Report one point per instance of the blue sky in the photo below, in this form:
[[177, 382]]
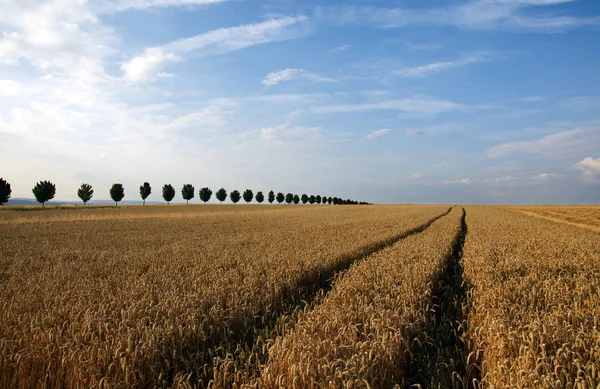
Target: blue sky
[[476, 101]]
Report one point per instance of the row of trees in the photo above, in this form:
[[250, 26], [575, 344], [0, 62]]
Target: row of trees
[[45, 190]]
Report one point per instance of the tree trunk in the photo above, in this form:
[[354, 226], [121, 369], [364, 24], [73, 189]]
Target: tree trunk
[[144, 201], [187, 202]]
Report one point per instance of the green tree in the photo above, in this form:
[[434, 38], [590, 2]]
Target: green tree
[[44, 191], [145, 191], [260, 197], [5, 191], [221, 195], [304, 198], [235, 196], [85, 193], [206, 194], [296, 199], [168, 193], [187, 192], [248, 195], [318, 199], [329, 200], [335, 201], [271, 197], [117, 192], [312, 199], [280, 197], [289, 198], [324, 199]]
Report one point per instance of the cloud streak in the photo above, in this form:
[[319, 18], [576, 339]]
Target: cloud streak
[[377, 134], [473, 14], [416, 105], [573, 142], [289, 74], [148, 65], [437, 67]]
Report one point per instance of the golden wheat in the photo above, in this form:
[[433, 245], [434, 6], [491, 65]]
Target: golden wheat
[[535, 308], [147, 297], [583, 216], [361, 334]]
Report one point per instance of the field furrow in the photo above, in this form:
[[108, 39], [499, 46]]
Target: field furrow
[[535, 287], [366, 331], [152, 301]]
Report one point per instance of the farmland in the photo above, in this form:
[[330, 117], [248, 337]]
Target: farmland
[[298, 296]]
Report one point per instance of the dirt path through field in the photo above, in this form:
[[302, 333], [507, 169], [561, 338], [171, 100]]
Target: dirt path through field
[[249, 352], [443, 361], [559, 220]]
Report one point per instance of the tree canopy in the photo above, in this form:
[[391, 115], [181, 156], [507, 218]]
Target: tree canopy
[[5, 191], [312, 199], [260, 197], [235, 196], [304, 198], [289, 198], [271, 197], [221, 195], [248, 195], [206, 194], [117, 193], [44, 191], [145, 191], [85, 193], [296, 199], [187, 192], [280, 197], [168, 193]]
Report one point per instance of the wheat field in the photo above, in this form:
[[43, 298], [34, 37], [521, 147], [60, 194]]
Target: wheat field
[[229, 296]]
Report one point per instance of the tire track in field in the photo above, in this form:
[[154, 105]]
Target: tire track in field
[[442, 359], [309, 289]]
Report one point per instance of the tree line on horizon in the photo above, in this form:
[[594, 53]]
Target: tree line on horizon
[[45, 191]]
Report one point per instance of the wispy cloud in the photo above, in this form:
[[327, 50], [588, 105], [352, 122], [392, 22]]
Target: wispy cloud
[[147, 66], [461, 181], [436, 67], [546, 176], [275, 78], [341, 48], [573, 142], [112, 6], [377, 134], [416, 105], [414, 132], [416, 175], [473, 14]]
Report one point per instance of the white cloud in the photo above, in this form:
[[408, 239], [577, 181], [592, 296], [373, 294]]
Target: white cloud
[[377, 134], [341, 48], [416, 175], [284, 135], [589, 166], [111, 6], [275, 78], [148, 65], [462, 181], [416, 105], [546, 176], [414, 132], [436, 67], [10, 88], [565, 143], [472, 14]]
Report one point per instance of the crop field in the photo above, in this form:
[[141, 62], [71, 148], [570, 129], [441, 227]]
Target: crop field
[[322, 296], [583, 216]]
